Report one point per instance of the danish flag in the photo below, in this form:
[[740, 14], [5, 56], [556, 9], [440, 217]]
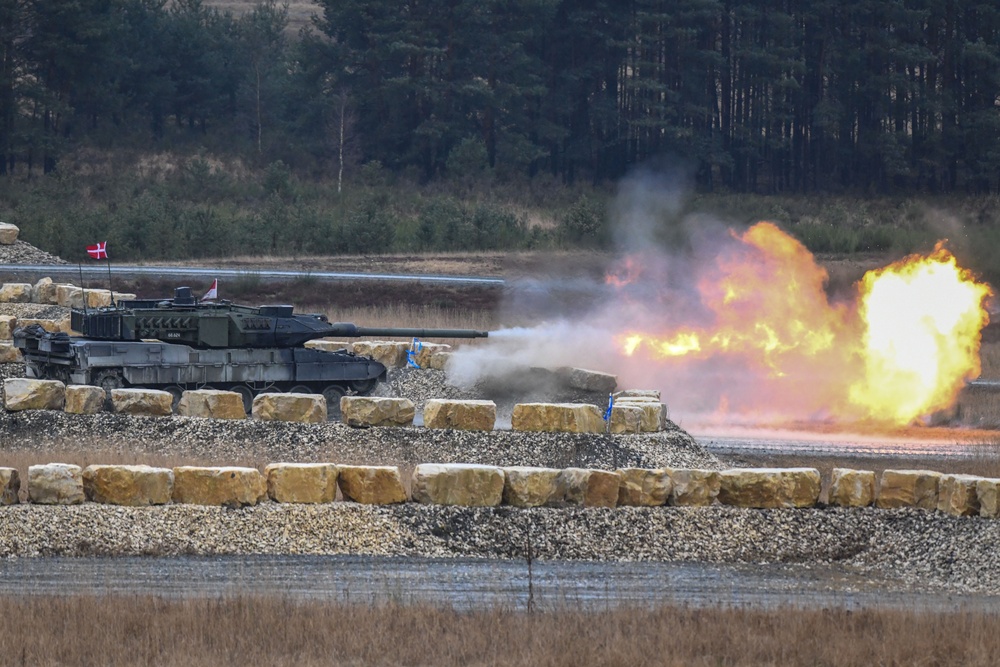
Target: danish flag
[[213, 291], [99, 251]]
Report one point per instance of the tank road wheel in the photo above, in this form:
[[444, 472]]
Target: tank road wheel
[[107, 380], [363, 387], [332, 394], [301, 389], [246, 394]]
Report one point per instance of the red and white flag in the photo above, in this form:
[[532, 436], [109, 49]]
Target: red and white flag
[[99, 251], [213, 291]]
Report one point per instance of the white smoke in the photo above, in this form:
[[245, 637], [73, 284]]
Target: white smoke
[[665, 249]]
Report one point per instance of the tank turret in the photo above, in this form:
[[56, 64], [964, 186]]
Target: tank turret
[[222, 324], [181, 343]]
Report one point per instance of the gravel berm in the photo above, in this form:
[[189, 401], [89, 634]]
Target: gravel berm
[[928, 550]]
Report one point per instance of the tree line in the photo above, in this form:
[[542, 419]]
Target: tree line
[[762, 96]]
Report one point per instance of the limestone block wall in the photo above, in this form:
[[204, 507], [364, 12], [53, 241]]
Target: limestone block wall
[[474, 485], [361, 411]]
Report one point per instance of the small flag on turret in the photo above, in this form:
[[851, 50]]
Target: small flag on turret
[[213, 291], [99, 251]]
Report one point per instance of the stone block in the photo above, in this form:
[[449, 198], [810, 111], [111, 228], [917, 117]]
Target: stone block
[[852, 488], [988, 494], [641, 487], [654, 414], [143, 402], [212, 404], [84, 399], [647, 394], [557, 417], [10, 485], [466, 485], [29, 394], [463, 415], [425, 352], [98, 298], [55, 484], [69, 296], [439, 360], [15, 293], [10, 354], [390, 353], [588, 488], [131, 485], [769, 487], [371, 485], [626, 419], [957, 495], [8, 233], [301, 482], [55, 326], [44, 291], [330, 345], [7, 325], [693, 486], [376, 411], [526, 486], [308, 408], [587, 380], [908, 488], [229, 486]]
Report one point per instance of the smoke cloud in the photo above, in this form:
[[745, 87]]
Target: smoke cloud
[[730, 326]]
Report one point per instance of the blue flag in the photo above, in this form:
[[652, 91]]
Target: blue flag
[[611, 403], [411, 354]]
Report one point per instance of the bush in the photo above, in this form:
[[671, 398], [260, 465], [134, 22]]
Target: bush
[[496, 228], [371, 229], [585, 224]]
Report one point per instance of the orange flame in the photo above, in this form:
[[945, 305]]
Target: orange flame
[[923, 319], [902, 351], [627, 274]]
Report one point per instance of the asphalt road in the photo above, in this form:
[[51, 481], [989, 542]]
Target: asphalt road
[[31, 272]]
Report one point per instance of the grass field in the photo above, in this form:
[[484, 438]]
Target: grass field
[[141, 630]]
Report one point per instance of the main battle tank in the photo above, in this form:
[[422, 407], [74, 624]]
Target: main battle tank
[[183, 343]]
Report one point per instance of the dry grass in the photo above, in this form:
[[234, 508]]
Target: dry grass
[[404, 315], [299, 13], [141, 630]]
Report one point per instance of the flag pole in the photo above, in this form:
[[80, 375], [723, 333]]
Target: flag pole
[[110, 288], [82, 286]]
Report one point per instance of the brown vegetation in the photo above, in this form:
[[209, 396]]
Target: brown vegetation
[[135, 630]]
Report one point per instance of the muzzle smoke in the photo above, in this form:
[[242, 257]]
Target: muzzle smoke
[[739, 328]]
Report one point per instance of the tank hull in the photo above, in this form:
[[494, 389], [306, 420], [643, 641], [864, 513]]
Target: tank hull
[[175, 367]]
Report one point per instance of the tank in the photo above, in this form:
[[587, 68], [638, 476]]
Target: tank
[[182, 343]]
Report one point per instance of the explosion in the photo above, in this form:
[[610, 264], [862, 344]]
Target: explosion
[[901, 350]]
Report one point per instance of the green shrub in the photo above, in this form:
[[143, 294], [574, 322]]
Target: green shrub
[[371, 229], [585, 224]]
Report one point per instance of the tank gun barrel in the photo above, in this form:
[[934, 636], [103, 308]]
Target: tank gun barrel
[[349, 330]]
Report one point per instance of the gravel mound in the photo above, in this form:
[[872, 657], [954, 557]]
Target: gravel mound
[[38, 311], [251, 442], [21, 252], [921, 549], [927, 550]]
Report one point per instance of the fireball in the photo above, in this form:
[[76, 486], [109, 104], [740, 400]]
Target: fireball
[[923, 317], [901, 350]]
